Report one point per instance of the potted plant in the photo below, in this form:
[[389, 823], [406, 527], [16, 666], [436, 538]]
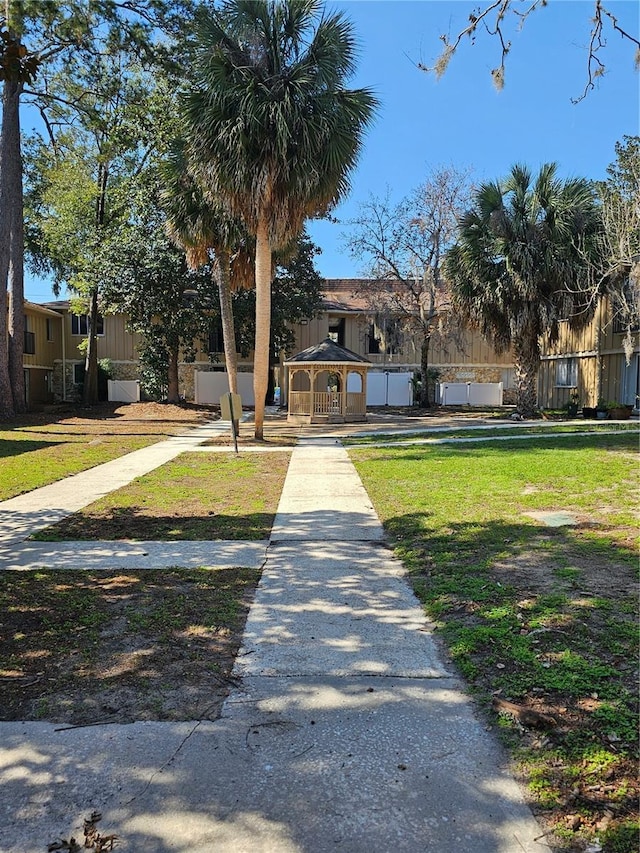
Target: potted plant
[[618, 411], [589, 412], [572, 405], [602, 410]]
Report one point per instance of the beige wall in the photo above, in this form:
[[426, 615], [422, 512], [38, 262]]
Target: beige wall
[[117, 343], [40, 366], [617, 378], [46, 350]]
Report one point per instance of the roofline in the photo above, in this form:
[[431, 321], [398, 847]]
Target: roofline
[[331, 365], [41, 309]]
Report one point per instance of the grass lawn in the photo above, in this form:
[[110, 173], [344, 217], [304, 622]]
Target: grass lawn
[[85, 647], [196, 496], [40, 449], [541, 621], [438, 433]]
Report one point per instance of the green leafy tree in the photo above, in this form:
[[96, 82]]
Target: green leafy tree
[[200, 228], [620, 204], [272, 131], [524, 251], [145, 277], [37, 40], [92, 159]]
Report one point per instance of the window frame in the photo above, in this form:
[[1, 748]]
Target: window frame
[[566, 372], [337, 330], [76, 320]]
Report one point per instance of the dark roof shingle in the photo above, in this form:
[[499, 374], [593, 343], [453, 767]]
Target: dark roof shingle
[[328, 351]]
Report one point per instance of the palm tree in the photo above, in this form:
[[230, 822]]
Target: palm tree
[[525, 255], [197, 227], [272, 130]]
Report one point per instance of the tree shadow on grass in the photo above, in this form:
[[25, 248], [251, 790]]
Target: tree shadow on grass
[[138, 524], [83, 646], [10, 448], [470, 549]]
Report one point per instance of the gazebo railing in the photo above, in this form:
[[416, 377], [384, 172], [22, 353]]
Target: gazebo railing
[[299, 402], [326, 403], [356, 403]]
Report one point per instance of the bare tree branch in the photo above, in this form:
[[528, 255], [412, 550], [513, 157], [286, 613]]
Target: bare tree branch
[[493, 18], [400, 248]]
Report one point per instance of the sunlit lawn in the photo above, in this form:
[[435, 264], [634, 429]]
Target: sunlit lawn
[[506, 431], [197, 496], [544, 617], [34, 453]]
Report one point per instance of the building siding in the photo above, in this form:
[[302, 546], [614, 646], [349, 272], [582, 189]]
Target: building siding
[[599, 355]]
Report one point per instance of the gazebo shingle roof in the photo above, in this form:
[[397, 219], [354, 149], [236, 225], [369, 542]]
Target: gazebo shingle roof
[[327, 351]]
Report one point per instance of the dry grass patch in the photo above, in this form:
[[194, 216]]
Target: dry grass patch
[[81, 647]]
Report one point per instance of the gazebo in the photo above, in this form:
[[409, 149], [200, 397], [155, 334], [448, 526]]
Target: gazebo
[[327, 384]]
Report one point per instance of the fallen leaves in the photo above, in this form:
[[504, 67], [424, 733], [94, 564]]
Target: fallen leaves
[[93, 840]]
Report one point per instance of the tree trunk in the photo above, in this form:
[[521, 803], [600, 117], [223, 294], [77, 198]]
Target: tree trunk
[[598, 384], [424, 371], [263, 324], [173, 389], [9, 163], [228, 326], [226, 316], [526, 362], [16, 329], [7, 412], [90, 393], [16, 265]]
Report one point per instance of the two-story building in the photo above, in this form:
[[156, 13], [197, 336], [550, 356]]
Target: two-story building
[[346, 316], [42, 351], [115, 343]]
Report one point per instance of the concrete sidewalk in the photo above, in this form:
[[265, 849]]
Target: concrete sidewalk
[[347, 732], [35, 510], [23, 515]]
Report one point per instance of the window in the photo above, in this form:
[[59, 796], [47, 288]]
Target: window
[[49, 329], [567, 373], [374, 340], [385, 335], [216, 340], [392, 336], [29, 343], [78, 374], [336, 330], [80, 325]]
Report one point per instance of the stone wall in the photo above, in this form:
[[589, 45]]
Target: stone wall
[[120, 370]]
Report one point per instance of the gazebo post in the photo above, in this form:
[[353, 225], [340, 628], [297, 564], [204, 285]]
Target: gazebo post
[[343, 382]]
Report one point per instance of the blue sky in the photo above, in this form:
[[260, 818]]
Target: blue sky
[[461, 120]]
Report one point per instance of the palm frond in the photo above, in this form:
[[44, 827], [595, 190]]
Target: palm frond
[[271, 127]]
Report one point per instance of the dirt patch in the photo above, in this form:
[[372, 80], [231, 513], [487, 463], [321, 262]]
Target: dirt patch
[[116, 418], [85, 647]]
